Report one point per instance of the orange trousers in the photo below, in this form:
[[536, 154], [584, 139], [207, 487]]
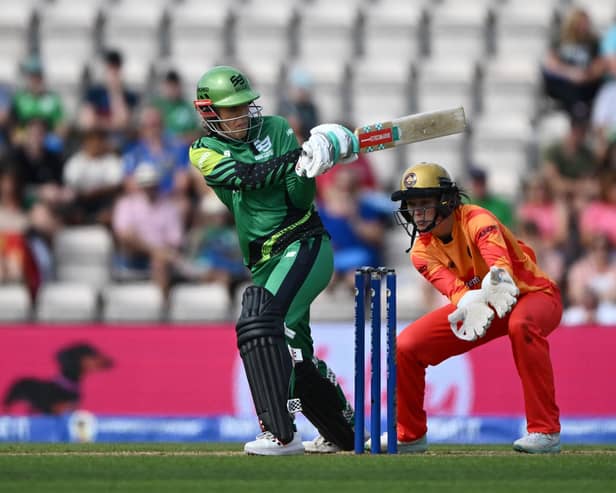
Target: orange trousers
[[429, 340]]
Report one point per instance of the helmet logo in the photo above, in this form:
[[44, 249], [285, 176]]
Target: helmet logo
[[203, 93], [238, 81], [410, 180]]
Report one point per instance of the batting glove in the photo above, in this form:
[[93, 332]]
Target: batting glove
[[472, 317], [344, 142], [500, 291], [328, 144]]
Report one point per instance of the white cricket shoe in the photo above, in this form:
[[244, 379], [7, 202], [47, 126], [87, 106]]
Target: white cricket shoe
[[267, 444], [418, 446], [538, 443], [320, 446]]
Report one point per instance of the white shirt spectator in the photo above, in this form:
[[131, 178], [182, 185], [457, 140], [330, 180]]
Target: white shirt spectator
[[84, 173]]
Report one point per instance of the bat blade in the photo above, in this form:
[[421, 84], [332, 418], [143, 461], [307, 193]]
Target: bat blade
[[410, 128]]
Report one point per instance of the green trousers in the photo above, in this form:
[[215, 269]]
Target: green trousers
[[295, 278]]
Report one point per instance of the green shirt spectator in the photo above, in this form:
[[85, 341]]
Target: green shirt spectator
[[178, 113], [480, 195], [35, 101]]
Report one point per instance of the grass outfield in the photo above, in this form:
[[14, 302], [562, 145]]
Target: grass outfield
[[175, 468]]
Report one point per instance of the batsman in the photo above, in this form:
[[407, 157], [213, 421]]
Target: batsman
[[256, 167]]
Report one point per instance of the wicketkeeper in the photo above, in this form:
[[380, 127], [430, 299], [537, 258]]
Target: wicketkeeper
[[258, 170], [495, 288]]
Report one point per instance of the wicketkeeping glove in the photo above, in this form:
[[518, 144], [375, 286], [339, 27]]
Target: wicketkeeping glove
[[328, 144], [471, 319], [500, 291]]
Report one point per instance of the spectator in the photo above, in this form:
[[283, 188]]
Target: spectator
[[594, 274], [35, 102], [148, 229], [608, 163], [568, 161], [39, 168], [599, 217], [212, 249], [549, 214], [94, 174], [5, 118], [355, 226], [480, 195], [166, 154], [572, 69], [362, 170], [549, 258], [583, 313], [25, 238], [298, 104], [604, 105], [109, 104], [179, 116], [13, 223]]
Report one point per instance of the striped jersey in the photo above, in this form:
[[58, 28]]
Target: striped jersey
[[478, 242], [272, 205]]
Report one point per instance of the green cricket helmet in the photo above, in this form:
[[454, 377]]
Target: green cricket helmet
[[426, 180], [227, 87]]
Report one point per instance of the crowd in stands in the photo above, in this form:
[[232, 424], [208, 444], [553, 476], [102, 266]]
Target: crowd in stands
[[122, 162]]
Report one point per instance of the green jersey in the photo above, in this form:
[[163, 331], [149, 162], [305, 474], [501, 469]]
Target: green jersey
[[46, 106], [271, 204]]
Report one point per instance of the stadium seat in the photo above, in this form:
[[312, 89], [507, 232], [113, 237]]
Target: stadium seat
[[133, 302], [9, 70], [510, 86], [551, 127], [16, 24], [333, 306], [83, 254], [198, 29], [601, 12], [262, 29], [15, 304], [134, 30], [190, 68], [265, 75], [446, 83], [393, 30], [522, 28], [449, 151], [66, 26], [459, 29], [199, 303], [328, 30], [66, 302], [504, 146], [387, 166], [410, 302], [380, 90]]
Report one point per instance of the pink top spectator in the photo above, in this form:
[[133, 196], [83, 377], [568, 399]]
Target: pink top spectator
[[599, 218], [545, 216], [157, 223]]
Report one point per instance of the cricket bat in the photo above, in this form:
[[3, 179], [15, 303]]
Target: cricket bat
[[410, 128]]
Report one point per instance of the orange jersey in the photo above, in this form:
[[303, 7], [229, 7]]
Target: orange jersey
[[479, 241]]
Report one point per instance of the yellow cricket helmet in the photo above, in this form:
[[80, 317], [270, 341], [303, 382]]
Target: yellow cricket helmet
[[426, 180], [423, 180]]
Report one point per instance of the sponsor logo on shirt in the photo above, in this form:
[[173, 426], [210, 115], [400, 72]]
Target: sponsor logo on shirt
[[473, 282]]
